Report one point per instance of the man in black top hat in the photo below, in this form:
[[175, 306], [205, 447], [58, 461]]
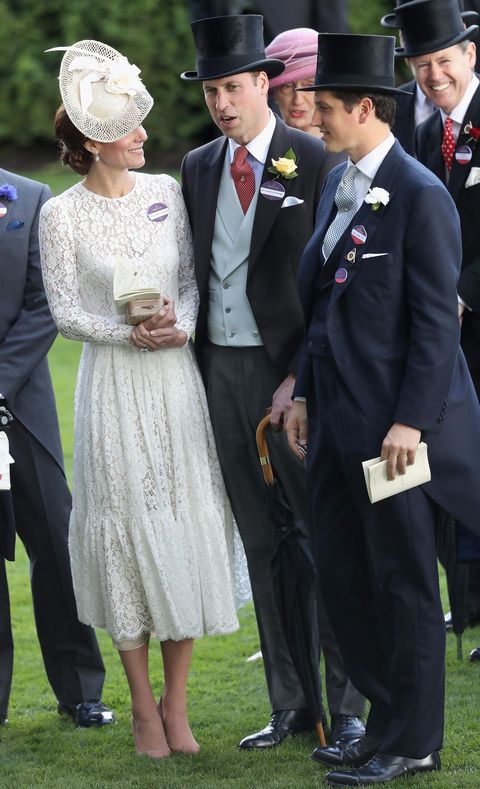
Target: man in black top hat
[[250, 226], [442, 56], [381, 368], [416, 107]]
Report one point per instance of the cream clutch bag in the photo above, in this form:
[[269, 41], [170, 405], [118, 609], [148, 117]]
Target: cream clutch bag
[[380, 487], [131, 287]]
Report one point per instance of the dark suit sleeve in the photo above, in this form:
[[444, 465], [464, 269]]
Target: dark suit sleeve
[[31, 336], [432, 251]]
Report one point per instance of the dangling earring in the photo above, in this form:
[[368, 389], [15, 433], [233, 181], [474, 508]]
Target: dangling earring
[[97, 157]]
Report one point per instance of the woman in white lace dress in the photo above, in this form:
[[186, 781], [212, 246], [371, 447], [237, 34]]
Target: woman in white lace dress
[[151, 532]]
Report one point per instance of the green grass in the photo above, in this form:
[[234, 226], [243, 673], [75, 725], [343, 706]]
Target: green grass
[[228, 699]]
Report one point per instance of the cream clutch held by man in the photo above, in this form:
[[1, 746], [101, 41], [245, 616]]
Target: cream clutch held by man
[[380, 487], [132, 288]]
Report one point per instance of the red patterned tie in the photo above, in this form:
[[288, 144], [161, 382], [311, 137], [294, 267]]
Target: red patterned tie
[[448, 144], [243, 177]]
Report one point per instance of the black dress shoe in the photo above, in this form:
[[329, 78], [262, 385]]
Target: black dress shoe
[[284, 723], [474, 655], [382, 768], [353, 755], [87, 713], [346, 729]]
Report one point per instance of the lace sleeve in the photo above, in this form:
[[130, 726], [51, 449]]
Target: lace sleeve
[[188, 299], [60, 276]]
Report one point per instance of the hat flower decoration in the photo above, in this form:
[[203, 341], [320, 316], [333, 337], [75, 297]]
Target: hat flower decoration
[[102, 92], [285, 166]]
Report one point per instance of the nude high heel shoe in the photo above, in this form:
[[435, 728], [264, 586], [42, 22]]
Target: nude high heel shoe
[[157, 753], [190, 746]]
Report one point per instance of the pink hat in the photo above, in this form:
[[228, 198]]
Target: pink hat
[[298, 50]]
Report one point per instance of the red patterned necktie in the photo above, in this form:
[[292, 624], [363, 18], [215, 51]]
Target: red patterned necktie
[[448, 144], [243, 177]]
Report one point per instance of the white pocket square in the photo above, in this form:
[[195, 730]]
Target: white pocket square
[[374, 255], [473, 177], [290, 200]]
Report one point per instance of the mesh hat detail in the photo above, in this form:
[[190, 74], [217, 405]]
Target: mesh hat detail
[[102, 92]]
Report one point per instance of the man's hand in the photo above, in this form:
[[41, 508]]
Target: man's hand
[[399, 448], [282, 403], [297, 429]]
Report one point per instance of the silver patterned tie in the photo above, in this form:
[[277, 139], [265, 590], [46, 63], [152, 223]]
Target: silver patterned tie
[[346, 202]]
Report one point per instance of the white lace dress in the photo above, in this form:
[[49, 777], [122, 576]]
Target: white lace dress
[[151, 530]]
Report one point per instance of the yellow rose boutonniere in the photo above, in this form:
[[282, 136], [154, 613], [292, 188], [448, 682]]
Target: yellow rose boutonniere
[[285, 166]]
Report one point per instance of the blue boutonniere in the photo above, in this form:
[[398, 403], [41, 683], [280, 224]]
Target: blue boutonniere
[[8, 192]]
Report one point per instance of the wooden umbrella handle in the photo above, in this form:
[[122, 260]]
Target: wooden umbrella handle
[[262, 447]]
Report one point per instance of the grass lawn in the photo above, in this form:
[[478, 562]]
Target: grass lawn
[[228, 696], [228, 699]]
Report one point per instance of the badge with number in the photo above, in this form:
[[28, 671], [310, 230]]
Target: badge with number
[[272, 190], [463, 154], [157, 212], [359, 234]]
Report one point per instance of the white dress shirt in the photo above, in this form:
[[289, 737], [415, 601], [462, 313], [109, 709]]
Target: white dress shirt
[[257, 148]]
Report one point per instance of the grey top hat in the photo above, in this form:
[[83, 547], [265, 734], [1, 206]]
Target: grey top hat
[[353, 62], [230, 45], [391, 21], [429, 26]]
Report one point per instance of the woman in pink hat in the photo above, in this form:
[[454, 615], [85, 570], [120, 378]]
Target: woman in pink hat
[[298, 50]]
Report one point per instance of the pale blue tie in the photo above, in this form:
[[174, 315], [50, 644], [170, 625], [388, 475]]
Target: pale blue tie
[[346, 202]]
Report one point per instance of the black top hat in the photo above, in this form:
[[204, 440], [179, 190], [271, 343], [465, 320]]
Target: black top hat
[[430, 25], [351, 62], [230, 45], [391, 21]]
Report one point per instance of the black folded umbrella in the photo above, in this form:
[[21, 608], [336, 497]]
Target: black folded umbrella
[[7, 526], [294, 577]]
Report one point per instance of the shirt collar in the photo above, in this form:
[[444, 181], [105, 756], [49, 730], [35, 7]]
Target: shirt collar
[[459, 112], [420, 97], [258, 147], [370, 163]]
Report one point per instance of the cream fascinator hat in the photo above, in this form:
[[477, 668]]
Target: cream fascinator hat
[[101, 91]]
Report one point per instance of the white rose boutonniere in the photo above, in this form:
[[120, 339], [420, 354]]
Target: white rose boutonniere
[[377, 197], [285, 166], [473, 177]]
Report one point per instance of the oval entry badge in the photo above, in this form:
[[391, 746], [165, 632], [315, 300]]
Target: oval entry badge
[[359, 234], [463, 154], [3, 210], [341, 275], [157, 212], [272, 190]]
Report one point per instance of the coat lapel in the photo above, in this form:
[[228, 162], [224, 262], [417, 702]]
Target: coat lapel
[[347, 254], [267, 210], [209, 173], [459, 172]]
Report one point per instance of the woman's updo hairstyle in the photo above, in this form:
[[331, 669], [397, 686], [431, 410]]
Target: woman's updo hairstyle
[[71, 143]]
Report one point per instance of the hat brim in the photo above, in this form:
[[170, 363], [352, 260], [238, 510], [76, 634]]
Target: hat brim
[[271, 66], [390, 20], [342, 86], [435, 46]]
